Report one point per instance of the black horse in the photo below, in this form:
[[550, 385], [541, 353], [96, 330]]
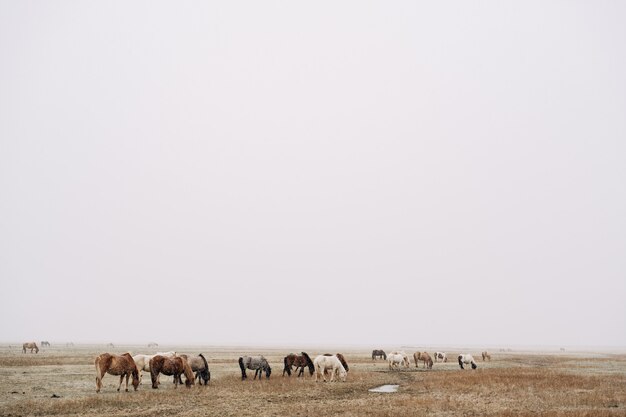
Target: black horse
[[377, 353]]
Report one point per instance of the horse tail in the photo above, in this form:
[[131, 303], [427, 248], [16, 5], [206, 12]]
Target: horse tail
[[287, 367], [98, 374], [309, 362], [243, 368], [384, 355], [206, 374], [461, 361], [154, 372]]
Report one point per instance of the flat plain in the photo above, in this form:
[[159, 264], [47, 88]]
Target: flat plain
[[513, 383]]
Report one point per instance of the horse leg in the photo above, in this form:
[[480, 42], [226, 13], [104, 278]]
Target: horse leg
[[127, 376], [121, 380]]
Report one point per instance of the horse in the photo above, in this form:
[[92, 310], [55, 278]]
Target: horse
[[200, 366], [441, 356], [341, 359], [172, 366], [153, 345], [424, 357], [30, 345], [111, 345], [143, 362], [379, 354], [395, 360], [45, 343], [405, 357], [258, 364], [331, 363], [122, 365], [466, 358], [300, 361], [486, 355]]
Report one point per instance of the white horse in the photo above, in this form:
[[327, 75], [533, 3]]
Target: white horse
[[441, 357], [143, 361], [466, 358], [405, 357], [395, 360], [332, 364]]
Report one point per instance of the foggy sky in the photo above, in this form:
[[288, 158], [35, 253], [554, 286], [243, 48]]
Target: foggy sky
[[345, 172]]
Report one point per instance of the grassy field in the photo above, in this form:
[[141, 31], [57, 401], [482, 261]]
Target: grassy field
[[512, 384]]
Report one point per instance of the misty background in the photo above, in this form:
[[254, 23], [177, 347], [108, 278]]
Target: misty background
[[329, 172]]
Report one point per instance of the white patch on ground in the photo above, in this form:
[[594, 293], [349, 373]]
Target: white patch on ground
[[385, 388]]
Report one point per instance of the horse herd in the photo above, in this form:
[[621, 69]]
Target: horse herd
[[396, 359], [196, 367], [173, 364]]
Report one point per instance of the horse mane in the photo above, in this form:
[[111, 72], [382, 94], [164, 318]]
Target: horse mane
[[343, 361], [309, 362]]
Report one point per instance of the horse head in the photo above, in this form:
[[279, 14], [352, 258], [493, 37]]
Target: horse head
[[136, 379]]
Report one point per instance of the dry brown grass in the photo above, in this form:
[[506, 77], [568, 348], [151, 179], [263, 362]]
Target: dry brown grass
[[511, 385]]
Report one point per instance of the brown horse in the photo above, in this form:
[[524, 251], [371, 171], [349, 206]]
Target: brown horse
[[122, 365], [299, 361], [486, 355], [424, 357], [170, 366], [30, 345]]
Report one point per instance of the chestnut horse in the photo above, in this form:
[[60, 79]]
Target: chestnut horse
[[30, 345], [122, 365], [486, 355], [424, 357], [300, 361], [173, 366]]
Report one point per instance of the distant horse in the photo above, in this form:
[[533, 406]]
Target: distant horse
[[329, 363], [258, 364], [171, 366], [395, 360], [299, 361], [200, 366], [405, 357], [45, 343], [69, 344], [30, 345], [122, 365], [424, 357], [441, 357], [143, 362], [486, 355], [111, 345], [153, 345], [379, 354], [467, 359]]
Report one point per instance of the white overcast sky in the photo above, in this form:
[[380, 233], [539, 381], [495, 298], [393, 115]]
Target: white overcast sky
[[327, 172]]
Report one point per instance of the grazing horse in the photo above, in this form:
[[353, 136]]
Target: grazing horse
[[486, 355], [379, 354], [441, 356], [153, 345], [424, 357], [173, 366], [332, 364], [143, 362], [341, 359], [45, 343], [30, 345], [200, 366], [405, 358], [258, 364], [467, 359], [395, 360], [300, 361], [122, 365]]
